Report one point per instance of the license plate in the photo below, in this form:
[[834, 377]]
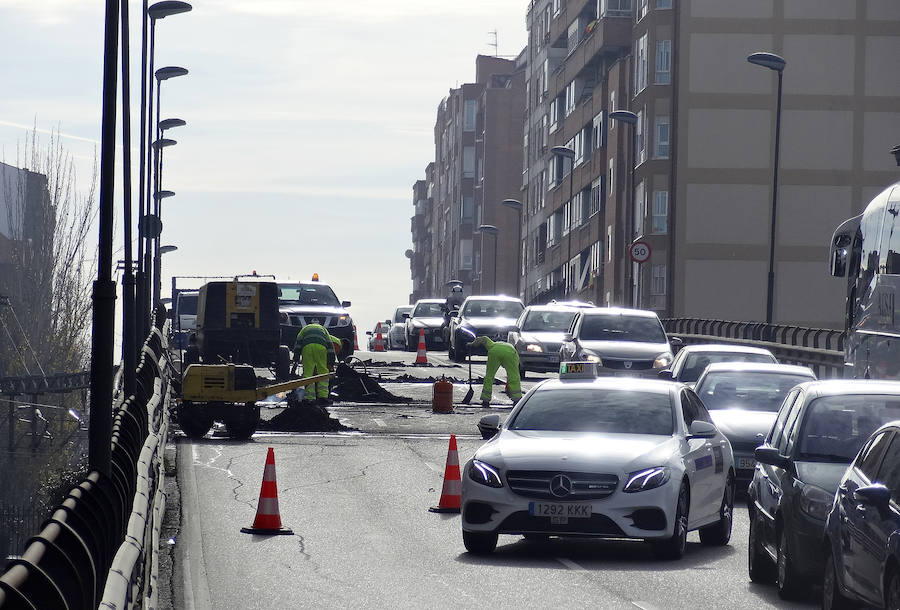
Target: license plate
[[746, 463], [559, 510]]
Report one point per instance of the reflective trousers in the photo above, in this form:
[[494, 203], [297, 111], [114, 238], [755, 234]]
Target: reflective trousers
[[502, 355], [315, 362]]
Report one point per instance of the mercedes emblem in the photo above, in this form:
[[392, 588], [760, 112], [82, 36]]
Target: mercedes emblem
[[560, 486]]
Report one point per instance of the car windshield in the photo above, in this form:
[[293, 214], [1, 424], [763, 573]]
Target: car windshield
[[696, 362], [428, 310], [307, 294], [621, 328], [753, 391], [187, 305], [835, 427], [489, 308], [550, 321], [398, 315], [594, 410]]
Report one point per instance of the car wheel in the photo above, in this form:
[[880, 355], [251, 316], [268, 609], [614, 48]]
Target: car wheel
[[892, 590], [479, 543], [719, 533], [759, 567], [673, 547], [832, 598], [522, 372], [790, 584]]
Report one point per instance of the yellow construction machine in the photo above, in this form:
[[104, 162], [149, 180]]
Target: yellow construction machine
[[227, 393]]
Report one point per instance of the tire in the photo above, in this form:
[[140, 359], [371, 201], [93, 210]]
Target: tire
[[242, 427], [759, 567], [410, 346], [674, 547], [832, 598], [719, 533], [522, 371], [479, 543], [282, 363], [790, 584], [193, 421], [892, 590]]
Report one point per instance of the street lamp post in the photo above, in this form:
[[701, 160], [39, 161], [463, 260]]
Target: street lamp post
[[517, 206], [568, 153], [776, 63], [629, 118], [158, 196], [490, 230]]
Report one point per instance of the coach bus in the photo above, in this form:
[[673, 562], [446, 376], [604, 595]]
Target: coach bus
[[865, 250]]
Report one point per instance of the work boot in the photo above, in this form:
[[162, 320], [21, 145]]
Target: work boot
[[486, 404]]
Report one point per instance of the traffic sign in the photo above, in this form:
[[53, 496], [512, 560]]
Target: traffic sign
[[640, 252]]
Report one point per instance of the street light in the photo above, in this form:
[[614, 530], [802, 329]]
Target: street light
[[170, 123], [158, 196], [167, 249], [568, 153], [490, 230], [629, 118], [776, 63], [516, 205]]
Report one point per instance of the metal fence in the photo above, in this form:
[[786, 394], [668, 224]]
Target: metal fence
[[821, 349], [98, 549], [17, 522]]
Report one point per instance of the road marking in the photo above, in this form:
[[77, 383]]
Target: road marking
[[644, 606], [380, 422], [434, 467], [570, 564]]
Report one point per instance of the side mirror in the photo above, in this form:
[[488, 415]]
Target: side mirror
[[769, 455], [388, 323], [489, 425], [345, 303], [665, 374], [875, 495], [701, 429], [839, 262], [369, 332]]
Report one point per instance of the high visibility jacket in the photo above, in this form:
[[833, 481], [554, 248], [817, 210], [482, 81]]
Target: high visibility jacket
[[314, 334]]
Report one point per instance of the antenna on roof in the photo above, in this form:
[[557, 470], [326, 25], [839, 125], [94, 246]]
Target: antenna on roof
[[496, 43]]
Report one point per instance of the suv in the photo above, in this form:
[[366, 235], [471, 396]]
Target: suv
[[427, 315], [302, 303], [491, 316], [620, 341]]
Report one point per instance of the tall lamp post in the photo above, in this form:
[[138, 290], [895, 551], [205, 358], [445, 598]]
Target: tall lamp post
[[517, 206], [490, 230], [568, 153], [629, 118], [158, 196], [776, 63]]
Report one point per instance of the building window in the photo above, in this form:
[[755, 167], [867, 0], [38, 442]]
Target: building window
[[661, 139], [597, 134], [567, 217], [468, 162], [468, 208], [596, 258], [643, 7], [663, 62], [469, 115], [660, 220], [663, 3], [657, 280], [572, 90], [584, 205], [609, 243], [465, 254], [615, 8], [612, 100], [639, 137], [557, 7], [640, 64], [611, 181], [640, 208], [596, 195]]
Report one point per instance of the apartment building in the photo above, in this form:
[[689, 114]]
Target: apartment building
[[690, 172], [477, 165]]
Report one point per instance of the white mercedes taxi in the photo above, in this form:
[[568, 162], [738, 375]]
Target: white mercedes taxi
[[613, 457]]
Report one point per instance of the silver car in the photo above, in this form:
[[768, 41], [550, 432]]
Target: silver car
[[692, 360], [620, 341], [539, 334], [396, 338]]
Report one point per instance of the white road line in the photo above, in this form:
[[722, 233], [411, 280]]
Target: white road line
[[570, 564], [380, 422], [434, 467], [644, 606]]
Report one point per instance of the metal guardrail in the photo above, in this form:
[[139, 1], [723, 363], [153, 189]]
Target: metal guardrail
[[98, 549], [821, 349]]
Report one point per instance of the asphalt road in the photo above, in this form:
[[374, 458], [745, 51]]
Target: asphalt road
[[363, 536]]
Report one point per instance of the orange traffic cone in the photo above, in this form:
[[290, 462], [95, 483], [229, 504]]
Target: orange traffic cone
[[450, 494], [268, 520], [421, 357], [379, 340], [355, 341]]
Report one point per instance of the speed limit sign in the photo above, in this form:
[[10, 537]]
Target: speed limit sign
[[640, 252]]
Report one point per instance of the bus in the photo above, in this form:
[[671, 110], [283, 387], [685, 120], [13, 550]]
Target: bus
[[865, 250]]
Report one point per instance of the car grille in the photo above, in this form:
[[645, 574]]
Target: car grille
[[304, 320], [595, 525], [585, 485], [636, 365]]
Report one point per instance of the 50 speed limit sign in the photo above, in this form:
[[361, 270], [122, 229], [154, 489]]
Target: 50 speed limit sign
[[640, 252]]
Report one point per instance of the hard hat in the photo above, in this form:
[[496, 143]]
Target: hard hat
[[315, 277]]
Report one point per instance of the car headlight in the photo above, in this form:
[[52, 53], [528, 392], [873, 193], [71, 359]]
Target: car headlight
[[662, 361], [815, 502], [484, 473], [534, 347], [649, 478], [344, 321]]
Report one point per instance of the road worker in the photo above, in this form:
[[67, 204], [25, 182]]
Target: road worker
[[499, 353], [315, 347]]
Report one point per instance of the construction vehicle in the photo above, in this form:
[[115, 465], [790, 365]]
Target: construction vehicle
[[237, 321], [227, 393]]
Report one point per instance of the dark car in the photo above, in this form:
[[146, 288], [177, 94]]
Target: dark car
[[692, 360], [819, 429], [862, 532], [302, 303], [427, 315], [539, 334], [489, 316], [743, 399]]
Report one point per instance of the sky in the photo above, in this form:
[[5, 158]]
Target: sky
[[307, 124]]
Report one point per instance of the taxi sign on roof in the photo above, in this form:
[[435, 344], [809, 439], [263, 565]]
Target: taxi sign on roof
[[577, 370]]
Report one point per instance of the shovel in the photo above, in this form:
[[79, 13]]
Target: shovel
[[468, 397]]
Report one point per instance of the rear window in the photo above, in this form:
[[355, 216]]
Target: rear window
[[187, 305], [696, 363], [398, 315], [549, 321], [745, 390], [621, 328], [428, 310], [486, 308], [593, 410], [835, 427]]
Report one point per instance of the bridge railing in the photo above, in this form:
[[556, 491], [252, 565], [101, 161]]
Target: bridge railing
[[822, 349], [98, 548]]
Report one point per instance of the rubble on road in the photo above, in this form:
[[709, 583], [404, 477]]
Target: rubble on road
[[352, 386], [302, 417]]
